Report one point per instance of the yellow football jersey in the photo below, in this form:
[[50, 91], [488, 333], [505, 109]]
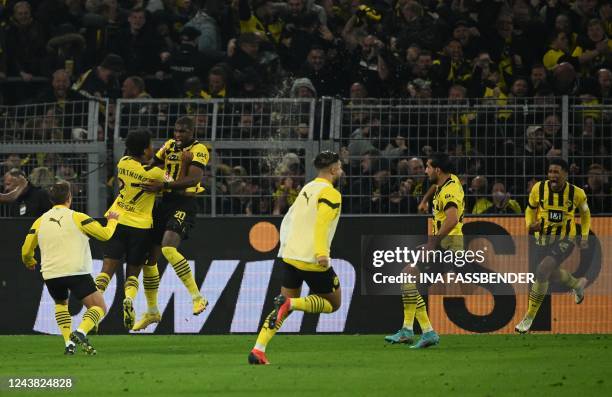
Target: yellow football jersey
[[171, 156], [135, 205], [447, 195], [556, 211]]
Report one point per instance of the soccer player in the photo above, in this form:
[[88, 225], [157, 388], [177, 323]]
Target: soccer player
[[132, 239], [306, 234], [175, 215], [448, 209], [550, 218], [66, 265]]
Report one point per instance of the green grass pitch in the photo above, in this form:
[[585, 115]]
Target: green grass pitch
[[326, 365]]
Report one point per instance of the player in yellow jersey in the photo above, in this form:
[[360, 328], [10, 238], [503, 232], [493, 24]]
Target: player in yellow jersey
[[550, 217], [66, 265], [132, 239], [175, 215], [306, 235], [448, 209]]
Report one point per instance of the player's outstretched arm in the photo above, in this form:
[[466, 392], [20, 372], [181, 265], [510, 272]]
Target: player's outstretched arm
[[29, 246], [93, 228]]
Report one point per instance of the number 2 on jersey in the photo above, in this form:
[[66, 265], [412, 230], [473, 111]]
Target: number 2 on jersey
[[123, 190]]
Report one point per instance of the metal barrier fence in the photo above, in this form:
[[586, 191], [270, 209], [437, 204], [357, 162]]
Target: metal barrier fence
[[499, 148], [53, 141], [259, 147], [262, 149]]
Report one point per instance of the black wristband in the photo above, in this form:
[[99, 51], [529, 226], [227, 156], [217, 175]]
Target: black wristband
[[166, 185]]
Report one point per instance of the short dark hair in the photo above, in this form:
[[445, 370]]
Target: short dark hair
[[325, 159], [186, 122], [441, 160], [137, 141], [59, 192], [561, 163]]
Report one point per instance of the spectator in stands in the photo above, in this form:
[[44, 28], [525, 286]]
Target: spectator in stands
[[60, 90], [138, 45], [186, 61], [262, 19], [209, 34], [25, 39], [559, 51], [293, 9], [565, 79], [365, 62], [13, 189], [594, 50], [66, 50], [246, 53], [326, 81], [358, 91], [478, 200], [12, 161], [42, 177], [416, 172], [468, 36], [32, 202], [598, 190], [303, 88], [101, 81], [284, 196], [534, 153], [538, 78], [501, 203], [133, 87], [361, 140], [452, 68], [217, 83], [397, 148], [552, 130]]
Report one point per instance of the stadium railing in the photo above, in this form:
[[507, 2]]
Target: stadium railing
[[53, 141], [502, 140], [259, 147], [262, 149]]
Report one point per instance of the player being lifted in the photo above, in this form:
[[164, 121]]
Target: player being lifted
[[175, 215], [63, 237], [448, 208], [306, 234], [132, 239], [550, 217]]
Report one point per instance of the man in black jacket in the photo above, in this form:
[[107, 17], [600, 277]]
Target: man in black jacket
[[31, 203]]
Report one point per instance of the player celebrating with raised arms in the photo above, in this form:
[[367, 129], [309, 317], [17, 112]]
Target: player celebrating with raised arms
[[550, 218], [66, 265], [306, 234]]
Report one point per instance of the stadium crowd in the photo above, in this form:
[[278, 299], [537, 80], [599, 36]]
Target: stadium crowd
[[460, 53]]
